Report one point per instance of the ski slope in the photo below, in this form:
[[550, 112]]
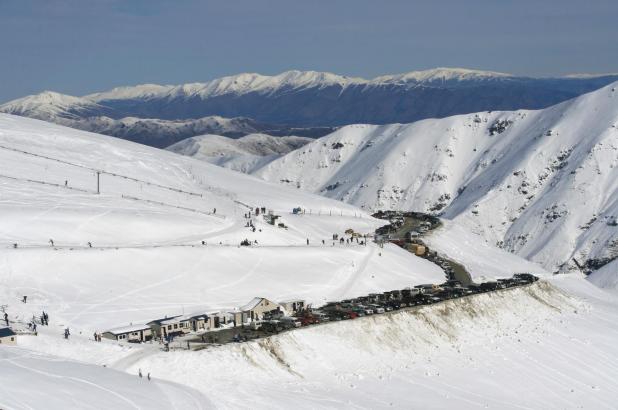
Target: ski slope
[[38, 381]]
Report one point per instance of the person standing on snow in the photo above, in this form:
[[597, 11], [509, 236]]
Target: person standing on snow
[[140, 373], [6, 318]]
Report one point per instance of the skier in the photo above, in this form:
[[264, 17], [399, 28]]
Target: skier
[[51, 242], [148, 376], [24, 299], [34, 327], [90, 244], [323, 242], [96, 337], [14, 246], [6, 318], [66, 333], [66, 182], [214, 211], [140, 373], [307, 241]]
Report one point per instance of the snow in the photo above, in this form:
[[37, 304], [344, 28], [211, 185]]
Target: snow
[[244, 154], [38, 381], [542, 184], [50, 105], [536, 347], [551, 345], [252, 82], [484, 262], [439, 74], [606, 277], [127, 329]]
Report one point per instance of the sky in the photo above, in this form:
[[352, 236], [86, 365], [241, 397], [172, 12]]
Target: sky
[[83, 46]]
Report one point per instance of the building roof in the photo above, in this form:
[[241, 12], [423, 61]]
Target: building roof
[[6, 331], [127, 329], [159, 321], [252, 304]]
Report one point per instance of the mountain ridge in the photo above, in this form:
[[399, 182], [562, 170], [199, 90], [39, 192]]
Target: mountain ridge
[[541, 184]]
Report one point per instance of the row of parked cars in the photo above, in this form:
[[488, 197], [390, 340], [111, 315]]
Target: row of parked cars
[[378, 303]]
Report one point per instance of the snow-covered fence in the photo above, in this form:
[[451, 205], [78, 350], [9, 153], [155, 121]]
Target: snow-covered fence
[[134, 198], [34, 181], [173, 189]]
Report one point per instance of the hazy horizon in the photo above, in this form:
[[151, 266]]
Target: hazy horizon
[[72, 48]]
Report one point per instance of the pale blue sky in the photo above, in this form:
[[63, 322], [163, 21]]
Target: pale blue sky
[[81, 46]]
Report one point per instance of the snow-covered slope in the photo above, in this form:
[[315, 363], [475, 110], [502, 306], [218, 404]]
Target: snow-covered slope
[[39, 381], [244, 154], [542, 184]]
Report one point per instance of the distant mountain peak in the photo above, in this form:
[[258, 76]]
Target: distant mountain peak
[[49, 104], [442, 73]]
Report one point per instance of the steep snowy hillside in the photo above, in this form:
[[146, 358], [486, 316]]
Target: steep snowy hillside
[[542, 184], [297, 99], [244, 154]]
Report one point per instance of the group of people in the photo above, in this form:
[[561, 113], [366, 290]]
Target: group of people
[[32, 324], [97, 337]]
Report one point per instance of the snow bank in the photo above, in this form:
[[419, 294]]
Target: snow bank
[[521, 348]]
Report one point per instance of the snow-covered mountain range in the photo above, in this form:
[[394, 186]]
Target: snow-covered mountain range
[[542, 184], [84, 114], [160, 115], [245, 154]]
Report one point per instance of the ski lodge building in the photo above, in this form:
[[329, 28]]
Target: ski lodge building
[[132, 333]]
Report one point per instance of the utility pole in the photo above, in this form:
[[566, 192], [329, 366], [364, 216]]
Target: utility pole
[[98, 182]]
